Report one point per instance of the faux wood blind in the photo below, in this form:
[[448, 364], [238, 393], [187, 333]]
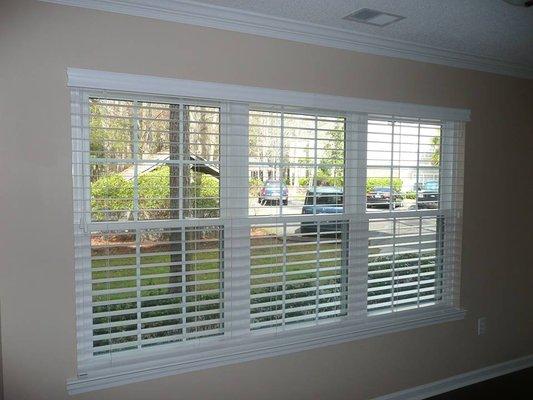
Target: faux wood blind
[[414, 192], [200, 222], [147, 195]]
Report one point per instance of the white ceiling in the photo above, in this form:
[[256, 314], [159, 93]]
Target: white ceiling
[[489, 28]]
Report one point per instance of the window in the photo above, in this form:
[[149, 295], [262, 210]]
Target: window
[[148, 163], [210, 229], [406, 247], [298, 269]]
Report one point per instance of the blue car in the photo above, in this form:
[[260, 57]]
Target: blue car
[[428, 195], [273, 192], [329, 200]]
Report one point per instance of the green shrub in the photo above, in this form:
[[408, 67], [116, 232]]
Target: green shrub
[[115, 193], [303, 182], [111, 192], [255, 185], [324, 179], [410, 195], [154, 192], [372, 183], [207, 196]]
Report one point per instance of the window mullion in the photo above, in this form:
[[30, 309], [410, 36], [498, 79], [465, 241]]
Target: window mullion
[[451, 166], [392, 162], [417, 181], [420, 219], [135, 126], [318, 225], [284, 277], [457, 187], [395, 235], [234, 209], [355, 209], [315, 165], [181, 167], [283, 162]]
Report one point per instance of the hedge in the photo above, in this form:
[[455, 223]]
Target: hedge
[[372, 183], [115, 193]]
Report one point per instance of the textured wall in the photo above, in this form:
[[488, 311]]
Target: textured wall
[[39, 41]]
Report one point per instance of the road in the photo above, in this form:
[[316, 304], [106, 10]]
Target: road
[[379, 228]]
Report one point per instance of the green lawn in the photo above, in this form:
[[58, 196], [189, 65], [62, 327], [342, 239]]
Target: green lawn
[[115, 282]]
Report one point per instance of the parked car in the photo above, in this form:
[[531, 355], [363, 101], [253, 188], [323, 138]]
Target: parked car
[[380, 197], [272, 192], [428, 195], [329, 200]]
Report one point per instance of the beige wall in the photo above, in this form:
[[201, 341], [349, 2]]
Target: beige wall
[[39, 41]]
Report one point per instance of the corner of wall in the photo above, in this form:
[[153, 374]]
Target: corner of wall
[[1, 370]]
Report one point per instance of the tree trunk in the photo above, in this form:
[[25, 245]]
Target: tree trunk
[[176, 204]]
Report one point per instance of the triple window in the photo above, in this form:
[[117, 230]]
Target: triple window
[[200, 222]]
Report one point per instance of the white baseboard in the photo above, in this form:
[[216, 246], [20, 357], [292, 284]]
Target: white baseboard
[[459, 381]]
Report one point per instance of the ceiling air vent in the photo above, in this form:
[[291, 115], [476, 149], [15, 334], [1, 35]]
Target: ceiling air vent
[[373, 17]]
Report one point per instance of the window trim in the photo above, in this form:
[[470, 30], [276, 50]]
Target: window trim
[[260, 346], [167, 360], [93, 79]]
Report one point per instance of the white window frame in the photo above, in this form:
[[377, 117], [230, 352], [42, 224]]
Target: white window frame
[[240, 344]]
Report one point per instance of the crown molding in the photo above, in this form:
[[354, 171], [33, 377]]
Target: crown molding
[[190, 12]]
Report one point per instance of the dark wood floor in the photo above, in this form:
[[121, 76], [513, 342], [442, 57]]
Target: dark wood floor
[[518, 385]]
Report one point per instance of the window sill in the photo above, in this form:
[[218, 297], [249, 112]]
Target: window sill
[[231, 351]]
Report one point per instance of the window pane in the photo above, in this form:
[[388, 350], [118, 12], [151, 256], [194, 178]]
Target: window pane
[[404, 263], [161, 136], [403, 165], [158, 127], [160, 196], [111, 128], [111, 191], [297, 274], [294, 158], [173, 160], [156, 286], [203, 128]]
